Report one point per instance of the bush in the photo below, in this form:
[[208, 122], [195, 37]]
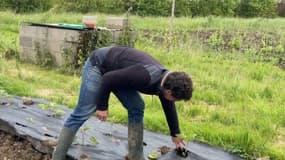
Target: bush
[[214, 7], [154, 8], [281, 8], [244, 8], [84, 6], [162, 8], [78, 5], [111, 6], [3, 5], [258, 8], [22, 6], [182, 8]]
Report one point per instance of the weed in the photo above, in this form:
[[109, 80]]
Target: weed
[[216, 41], [52, 108], [31, 120], [280, 49], [3, 92], [236, 43]]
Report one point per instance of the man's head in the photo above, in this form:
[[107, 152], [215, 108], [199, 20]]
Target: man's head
[[177, 86]]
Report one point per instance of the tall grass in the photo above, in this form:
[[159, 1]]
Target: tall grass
[[210, 23], [237, 104]]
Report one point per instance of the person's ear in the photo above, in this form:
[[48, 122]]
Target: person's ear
[[168, 91]]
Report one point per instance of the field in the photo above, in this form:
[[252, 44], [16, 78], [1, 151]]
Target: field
[[237, 66]]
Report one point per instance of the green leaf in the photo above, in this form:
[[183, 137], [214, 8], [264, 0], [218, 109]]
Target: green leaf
[[152, 156], [44, 106], [54, 105], [85, 128], [94, 140], [31, 119], [59, 112]]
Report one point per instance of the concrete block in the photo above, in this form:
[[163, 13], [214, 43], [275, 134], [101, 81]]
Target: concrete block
[[60, 43], [33, 31], [63, 44], [56, 34], [28, 54], [118, 23]]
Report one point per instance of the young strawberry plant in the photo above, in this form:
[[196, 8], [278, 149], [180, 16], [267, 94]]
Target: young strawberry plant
[[52, 109]]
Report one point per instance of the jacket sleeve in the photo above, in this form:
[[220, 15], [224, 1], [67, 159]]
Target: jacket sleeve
[[132, 77], [171, 115]]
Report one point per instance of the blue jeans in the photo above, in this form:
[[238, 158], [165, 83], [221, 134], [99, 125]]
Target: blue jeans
[[86, 106]]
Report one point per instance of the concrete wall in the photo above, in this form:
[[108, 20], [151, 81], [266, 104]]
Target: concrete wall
[[61, 44]]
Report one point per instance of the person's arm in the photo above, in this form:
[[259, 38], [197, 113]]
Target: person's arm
[[172, 120], [171, 115], [133, 77]]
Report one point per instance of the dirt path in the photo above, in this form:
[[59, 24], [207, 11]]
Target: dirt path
[[16, 148]]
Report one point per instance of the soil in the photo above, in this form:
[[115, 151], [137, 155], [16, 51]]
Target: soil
[[16, 148]]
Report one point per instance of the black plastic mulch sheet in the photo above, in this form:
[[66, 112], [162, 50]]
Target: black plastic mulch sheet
[[95, 140]]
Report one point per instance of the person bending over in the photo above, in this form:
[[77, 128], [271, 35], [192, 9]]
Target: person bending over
[[126, 72]]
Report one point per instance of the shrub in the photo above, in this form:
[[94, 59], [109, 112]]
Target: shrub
[[153, 8], [78, 5], [281, 8], [214, 7], [106, 6], [22, 6], [258, 8]]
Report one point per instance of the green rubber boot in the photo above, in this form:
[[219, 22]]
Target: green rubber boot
[[64, 141], [135, 141]]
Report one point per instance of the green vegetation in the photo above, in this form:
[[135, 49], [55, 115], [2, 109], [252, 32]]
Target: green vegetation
[[239, 95], [194, 8], [52, 108]]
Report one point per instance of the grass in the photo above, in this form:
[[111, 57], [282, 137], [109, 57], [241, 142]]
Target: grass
[[27, 80], [238, 103]]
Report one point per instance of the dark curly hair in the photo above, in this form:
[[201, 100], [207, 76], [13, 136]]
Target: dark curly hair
[[180, 84]]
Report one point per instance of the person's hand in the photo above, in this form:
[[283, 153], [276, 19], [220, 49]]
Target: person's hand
[[178, 142], [102, 115]]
